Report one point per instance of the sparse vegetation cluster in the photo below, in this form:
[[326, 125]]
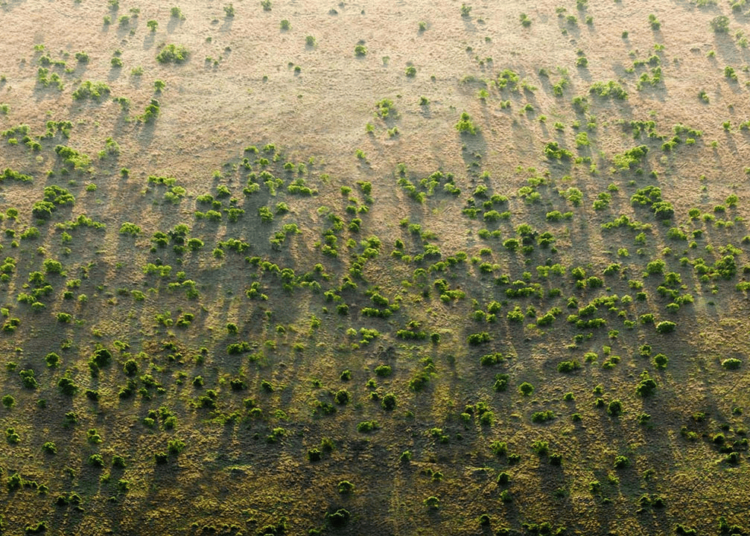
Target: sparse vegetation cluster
[[513, 303]]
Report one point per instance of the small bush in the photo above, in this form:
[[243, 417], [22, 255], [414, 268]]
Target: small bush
[[172, 54], [660, 361], [665, 327], [720, 24], [646, 385], [542, 416], [365, 427], [383, 371], [345, 487], [621, 462], [476, 339], [568, 366], [465, 125], [339, 518], [342, 397], [731, 363], [67, 386], [614, 408]]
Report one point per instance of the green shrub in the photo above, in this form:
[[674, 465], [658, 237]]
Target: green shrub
[[91, 90], [526, 389], [172, 54], [342, 397], [383, 371], [12, 436], [175, 446], [731, 363], [67, 386], [553, 151], [665, 327], [660, 361], [542, 416], [568, 366], [646, 385], [621, 462], [614, 408], [339, 518], [476, 339], [465, 125], [720, 24], [501, 382], [366, 427], [345, 487], [608, 89]]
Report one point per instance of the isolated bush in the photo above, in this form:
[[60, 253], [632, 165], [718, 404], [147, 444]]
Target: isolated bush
[[345, 487], [12, 436], [366, 427], [389, 402], [67, 386], [383, 371], [568, 366], [660, 361], [172, 54], [476, 339], [621, 462], [465, 125], [731, 363], [28, 379], [501, 382], [646, 385], [542, 416], [131, 367], [339, 518], [720, 24], [342, 397], [665, 327], [614, 408]]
